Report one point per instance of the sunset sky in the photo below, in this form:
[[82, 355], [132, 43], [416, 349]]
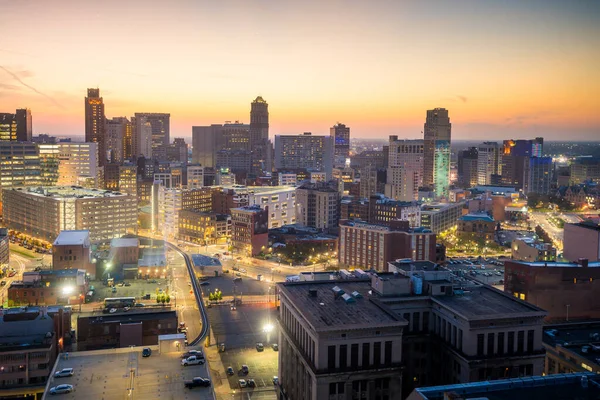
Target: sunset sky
[[504, 69]]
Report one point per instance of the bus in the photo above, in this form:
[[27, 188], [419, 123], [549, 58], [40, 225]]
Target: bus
[[119, 302]]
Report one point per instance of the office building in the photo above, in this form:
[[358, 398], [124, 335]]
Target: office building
[[16, 127], [287, 179], [71, 250], [224, 177], [584, 169], [476, 226], [440, 217], [260, 145], [203, 227], [340, 135], [20, 166], [368, 245], [8, 127], [205, 143], [195, 176], [317, 206], [566, 290], [237, 161], [49, 287], [571, 348], [405, 169], [43, 212], [24, 125], [537, 173], [468, 167], [376, 158], [515, 155], [178, 151], [4, 248], [383, 210], [489, 163], [95, 123], [30, 340], [116, 136], [304, 151], [128, 179], [582, 240], [250, 229], [77, 163], [160, 128], [527, 249], [172, 201], [436, 161]]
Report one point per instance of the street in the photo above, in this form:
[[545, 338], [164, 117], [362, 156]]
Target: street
[[555, 233]]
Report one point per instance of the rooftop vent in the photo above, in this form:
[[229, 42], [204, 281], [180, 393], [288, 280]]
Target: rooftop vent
[[312, 292], [348, 299], [338, 291], [357, 295]]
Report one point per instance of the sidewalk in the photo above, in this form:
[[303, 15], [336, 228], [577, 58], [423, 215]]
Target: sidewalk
[[217, 370]]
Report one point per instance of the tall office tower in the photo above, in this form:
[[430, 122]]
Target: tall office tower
[[205, 141], [24, 125], [8, 127], [537, 175], [340, 134], [259, 137], [405, 169], [233, 147], [94, 122], [178, 151], [467, 167], [489, 163], [127, 142], [515, 155], [76, 163], [20, 165], [314, 153], [141, 137], [115, 136], [436, 166], [160, 124]]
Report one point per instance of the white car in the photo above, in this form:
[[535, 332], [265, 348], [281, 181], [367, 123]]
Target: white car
[[243, 383], [63, 373], [192, 360], [61, 389]]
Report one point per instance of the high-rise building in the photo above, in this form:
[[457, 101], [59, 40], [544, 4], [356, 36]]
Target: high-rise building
[[8, 127], [128, 179], [77, 163], [141, 135], [205, 144], [178, 151], [95, 122], [405, 169], [314, 153], [16, 127], [515, 155], [468, 167], [20, 165], [115, 136], [340, 134], [259, 137], [584, 169], [171, 201], [195, 176], [489, 163], [160, 128], [317, 206], [436, 165], [537, 175], [250, 229]]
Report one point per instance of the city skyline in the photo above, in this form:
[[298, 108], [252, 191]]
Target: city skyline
[[501, 69]]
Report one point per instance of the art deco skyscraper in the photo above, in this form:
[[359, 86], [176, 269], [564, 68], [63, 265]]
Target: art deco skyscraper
[[436, 166], [260, 145], [95, 122]]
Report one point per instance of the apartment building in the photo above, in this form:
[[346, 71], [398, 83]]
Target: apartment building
[[250, 229], [281, 201], [318, 206], [369, 246], [204, 227], [43, 212], [440, 217], [171, 201], [306, 151], [71, 250]]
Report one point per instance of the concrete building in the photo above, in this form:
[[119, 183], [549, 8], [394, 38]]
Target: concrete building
[[141, 141], [489, 163], [16, 127], [224, 177], [381, 210], [178, 151], [565, 290], [340, 134], [172, 201], [71, 250], [317, 206], [205, 143], [95, 128], [114, 132], [195, 176], [43, 212], [436, 161], [30, 340], [204, 227], [584, 169], [77, 163], [20, 165], [414, 318], [128, 179], [582, 240], [250, 229], [304, 151], [476, 226], [537, 175], [405, 169], [468, 167], [527, 249], [571, 347], [375, 158], [440, 217], [367, 245], [160, 125], [281, 201], [287, 179]]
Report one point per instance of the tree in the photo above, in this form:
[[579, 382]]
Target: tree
[[168, 299]]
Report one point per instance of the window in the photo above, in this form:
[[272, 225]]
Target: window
[[366, 356], [377, 353], [511, 343], [354, 355], [520, 342], [331, 357], [344, 356], [480, 339], [426, 321], [416, 322], [490, 344], [388, 353], [530, 340], [501, 343]]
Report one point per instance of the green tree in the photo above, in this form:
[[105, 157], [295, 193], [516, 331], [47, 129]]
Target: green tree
[[168, 299]]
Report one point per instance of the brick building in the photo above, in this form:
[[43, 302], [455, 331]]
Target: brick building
[[71, 250], [582, 240], [249, 229], [475, 226]]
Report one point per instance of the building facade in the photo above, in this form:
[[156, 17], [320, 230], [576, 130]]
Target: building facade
[[204, 227], [160, 134], [262, 150], [440, 217], [20, 166], [172, 201], [476, 226], [489, 163], [537, 175], [405, 169], [340, 134], [250, 229], [306, 151], [436, 164], [317, 206], [72, 250], [582, 240], [95, 129]]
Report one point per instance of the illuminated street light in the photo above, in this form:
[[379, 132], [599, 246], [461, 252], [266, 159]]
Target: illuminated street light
[[67, 290]]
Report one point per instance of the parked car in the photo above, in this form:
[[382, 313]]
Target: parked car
[[127, 284], [140, 305], [260, 347], [197, 382], [192, 353], [229, 371], [205, 283], [192, 360], [3, 283], [61, 389], [275, 380], [147, 352], [251, 383], [275, 347], [243, 383], [245, 369], [63, 373]]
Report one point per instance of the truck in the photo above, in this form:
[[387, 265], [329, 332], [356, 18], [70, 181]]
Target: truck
[[192, 360], [197, 382]]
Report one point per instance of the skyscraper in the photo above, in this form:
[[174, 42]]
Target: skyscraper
[[341, 142], [160, 124], [141, 136], [436, 166], [405, 169], [24, 125], [205, 144], [259, 137], [489, 163], [94, 122], [468, 167], [314, 153], [515, 155], [115, 136]]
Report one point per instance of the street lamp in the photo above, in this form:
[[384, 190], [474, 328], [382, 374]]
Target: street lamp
[[268, 328]]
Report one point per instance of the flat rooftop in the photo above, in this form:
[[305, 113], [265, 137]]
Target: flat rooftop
[[68, 238], [202, 260], [588, 225], [551, 387], [68, 192], [111, 374], [148, 312], [260, 189], [410, 265], [483, 302], [551, 264], [124, 242], [325, 311]]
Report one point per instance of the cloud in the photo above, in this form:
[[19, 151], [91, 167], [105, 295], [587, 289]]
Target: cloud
[[462, 98], [26, 73], [8, 86]]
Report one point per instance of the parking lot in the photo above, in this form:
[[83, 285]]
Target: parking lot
[[138, 288], [465, 269], [262, 366], [506, 237]]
